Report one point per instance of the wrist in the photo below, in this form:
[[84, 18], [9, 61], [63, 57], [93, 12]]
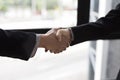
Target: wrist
[[68, 34], [42, 40]]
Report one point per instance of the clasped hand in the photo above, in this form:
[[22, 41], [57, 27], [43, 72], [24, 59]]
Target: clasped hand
[[55, 40]]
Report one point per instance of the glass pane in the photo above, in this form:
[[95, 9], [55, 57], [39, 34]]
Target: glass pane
[[61, 13]]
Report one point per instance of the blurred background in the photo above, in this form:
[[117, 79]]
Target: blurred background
[[40, 11], [93, 60], [71, 64]]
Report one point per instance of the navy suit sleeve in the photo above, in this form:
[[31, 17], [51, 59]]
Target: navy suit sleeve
[[16, 44], [107, 27]]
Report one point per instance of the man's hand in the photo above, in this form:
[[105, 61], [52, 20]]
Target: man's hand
[[64, 33], [50, 41]]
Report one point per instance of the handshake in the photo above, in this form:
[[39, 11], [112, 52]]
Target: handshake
[[55, 40]]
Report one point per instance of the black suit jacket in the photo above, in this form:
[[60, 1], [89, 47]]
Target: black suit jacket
[[107, 27], [19, 43], [16, 44]]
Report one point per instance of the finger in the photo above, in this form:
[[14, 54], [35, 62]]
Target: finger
[[63, 49], [51, 51], [59, 35], [65, 44], [68, 44], [46, 50], [57, 51], [56, 29]]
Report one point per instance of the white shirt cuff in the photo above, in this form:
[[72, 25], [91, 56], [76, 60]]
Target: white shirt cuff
[[36, 45], [71, 34]]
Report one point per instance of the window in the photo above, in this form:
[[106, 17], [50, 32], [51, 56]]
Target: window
[[54, 13], [94, 10]]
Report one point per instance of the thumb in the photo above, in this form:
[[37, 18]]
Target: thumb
[[46, 50], [59, 35]]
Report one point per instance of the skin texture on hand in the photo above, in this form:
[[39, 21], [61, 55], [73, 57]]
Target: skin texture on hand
[[61, 33], [49, 41]]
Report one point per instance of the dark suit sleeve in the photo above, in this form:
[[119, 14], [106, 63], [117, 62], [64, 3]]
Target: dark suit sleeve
[[107, 27], [118, 76], [16, 44]]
